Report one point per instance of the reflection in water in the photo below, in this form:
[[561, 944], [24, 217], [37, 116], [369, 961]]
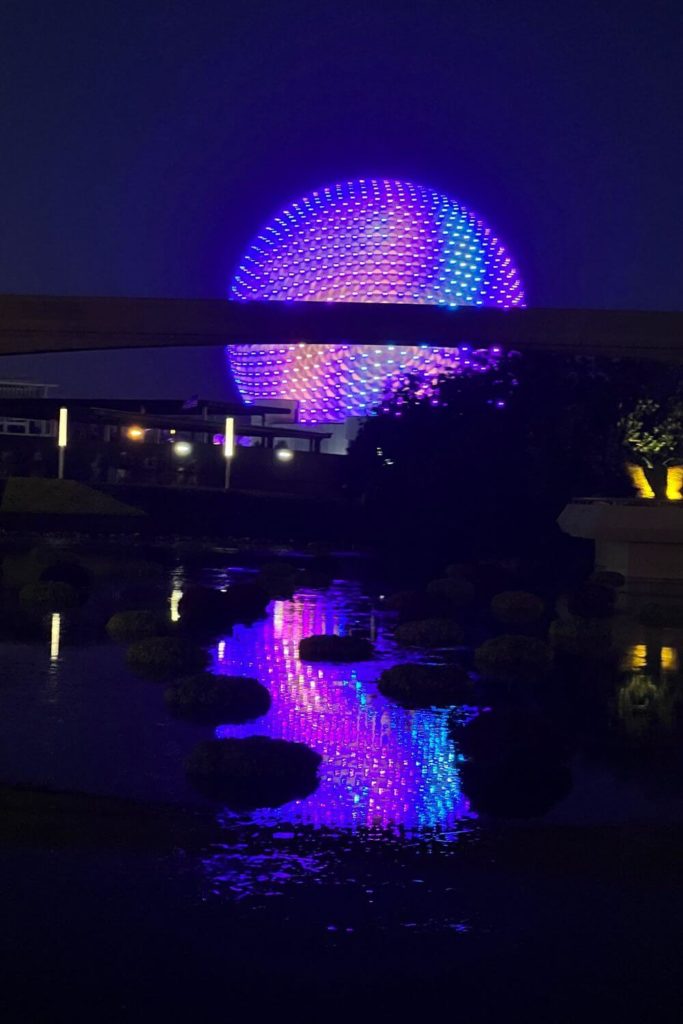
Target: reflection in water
[[650, 657], [382, 765], [55, 632], [649, 699]]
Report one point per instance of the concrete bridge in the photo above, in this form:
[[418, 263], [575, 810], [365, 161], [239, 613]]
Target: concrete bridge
[[33, 324]]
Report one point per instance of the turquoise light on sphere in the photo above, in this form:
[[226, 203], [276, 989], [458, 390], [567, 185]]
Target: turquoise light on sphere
[[369, 240]]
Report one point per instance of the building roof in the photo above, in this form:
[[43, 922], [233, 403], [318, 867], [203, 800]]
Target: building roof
[[48, 408]]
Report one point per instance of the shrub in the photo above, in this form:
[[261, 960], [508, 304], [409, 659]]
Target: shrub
[[421, 686], [20, 568], [510, 658], [517, 608], [455, 591], [330, 647], [253, 772], [429, 633], [592, 601], [495, 736], [582, 638], [125, 627], [164, 657], [654, 614], [218, 699], [43, 496], [48, 597], [522, 787]]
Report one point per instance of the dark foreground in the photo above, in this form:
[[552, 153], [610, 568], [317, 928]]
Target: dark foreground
[[109, 921]]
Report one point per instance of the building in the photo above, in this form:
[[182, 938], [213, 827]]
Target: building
[[163, 442], [20, 425]]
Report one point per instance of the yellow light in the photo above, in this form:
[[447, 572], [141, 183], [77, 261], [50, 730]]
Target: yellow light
[[284, 454], [229, 442], [176, 596], [135, 433], [182, 448], [635, 657], [55, 630], [61, 430], [669, 659], [674, 482]]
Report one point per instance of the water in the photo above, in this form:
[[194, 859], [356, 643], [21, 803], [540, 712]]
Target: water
[[383, 767], [386, 862]]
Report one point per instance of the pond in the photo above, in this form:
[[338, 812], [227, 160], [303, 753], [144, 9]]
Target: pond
[[389, 844]]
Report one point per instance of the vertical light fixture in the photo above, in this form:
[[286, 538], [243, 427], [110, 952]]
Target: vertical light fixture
[[228, 447], [61, 440]]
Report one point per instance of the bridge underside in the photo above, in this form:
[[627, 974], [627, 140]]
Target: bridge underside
[[33, 324]]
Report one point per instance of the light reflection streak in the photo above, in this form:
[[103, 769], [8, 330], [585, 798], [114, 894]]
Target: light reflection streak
[[382, 766], [55, 633]]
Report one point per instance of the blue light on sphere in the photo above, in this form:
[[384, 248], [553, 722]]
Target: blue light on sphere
[[370, 240]]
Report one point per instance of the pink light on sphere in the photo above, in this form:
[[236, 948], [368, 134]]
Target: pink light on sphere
[[369, 240]]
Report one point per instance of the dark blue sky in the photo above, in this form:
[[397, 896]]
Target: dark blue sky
[[143, 143]]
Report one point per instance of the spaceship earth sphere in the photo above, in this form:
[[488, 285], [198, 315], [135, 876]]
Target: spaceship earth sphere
[[369, 240]]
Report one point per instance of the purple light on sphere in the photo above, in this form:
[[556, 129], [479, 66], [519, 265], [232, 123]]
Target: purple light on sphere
[[367, 241]]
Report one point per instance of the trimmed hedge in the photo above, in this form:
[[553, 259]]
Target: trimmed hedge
[[330, 647], [422, 686], [495, 736], [253, 772], [48, 596], [429, 633], [44, 496], [522, 787], [581, 638], [517, 762], [164, 657], [126, 627], [511, 658], [20, 568], [517, 608], [218, 699]]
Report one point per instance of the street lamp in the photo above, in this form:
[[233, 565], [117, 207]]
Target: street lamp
[[61, 440], [228, 447], [283, 453]]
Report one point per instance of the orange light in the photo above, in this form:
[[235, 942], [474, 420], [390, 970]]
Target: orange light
[[135, 433]]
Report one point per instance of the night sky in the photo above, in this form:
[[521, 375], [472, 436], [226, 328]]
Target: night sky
[[144, 143]]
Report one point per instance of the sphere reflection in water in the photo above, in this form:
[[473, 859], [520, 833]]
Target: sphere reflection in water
[[382, 765]]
